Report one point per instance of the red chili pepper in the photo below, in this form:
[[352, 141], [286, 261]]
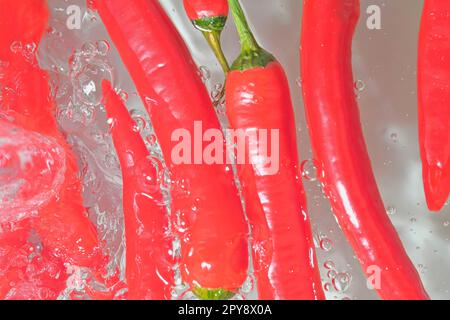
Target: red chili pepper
[[28, 273], [258, 98], [434, 95], [62, 224], [206, 9], [210, 16], [206, 209], [340, 151], [148, 269]]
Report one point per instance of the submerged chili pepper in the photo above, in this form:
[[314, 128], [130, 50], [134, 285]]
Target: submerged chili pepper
[[340, 151], [258, 98], [62, 224], [148, 262], [28, 271], [210, 16], [206, 209], [434, 95], [32, 170]]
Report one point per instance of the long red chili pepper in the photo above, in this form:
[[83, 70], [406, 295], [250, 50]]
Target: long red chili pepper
[[340, 150], [210, 16], [434, 95], [62, 224], [206, 209], [148, 269], [258, 98]]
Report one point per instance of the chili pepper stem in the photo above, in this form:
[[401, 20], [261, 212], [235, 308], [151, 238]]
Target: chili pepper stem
[[213, 39], [252, 55], [213, 294]]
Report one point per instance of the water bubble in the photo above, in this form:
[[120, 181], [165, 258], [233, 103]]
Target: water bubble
[[391, 210], [124, 95], [329, 265], [341, 282], [359, 85], [16, 47], [394, 137], [328, 287], [151, 139], [332, 274], [248, 285], [205, 74], [446, 223], [103, 47], [326, 244], [309, 170]]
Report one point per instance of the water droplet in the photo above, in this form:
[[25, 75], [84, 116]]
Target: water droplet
[[16, 47], [329, 265], [391, 210], [359, 85], [309, 170], [205, 74], [248, 285], [328, 287], [103, 47], [394, 137], [326, 244], [341, 282]]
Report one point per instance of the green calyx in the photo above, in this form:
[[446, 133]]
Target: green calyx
[[252, 55], [211, 29], [213, 294], [209, 24], [252, 59]]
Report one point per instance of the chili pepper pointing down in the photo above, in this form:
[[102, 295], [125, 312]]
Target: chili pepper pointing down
[[67, 235], [206, 209], [148, 269], [258, 97], [340, 150], [434, 98], [210, 16]]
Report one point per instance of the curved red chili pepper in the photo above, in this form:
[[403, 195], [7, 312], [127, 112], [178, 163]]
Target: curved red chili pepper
[[205, 204], [258, 97], [340, 150], [434, 95], [210, 17], [62, 224], [148, 269]]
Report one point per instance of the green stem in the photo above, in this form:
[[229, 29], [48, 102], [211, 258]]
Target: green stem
[[213, 294], [213, 39], [248, 41], [252, 55]]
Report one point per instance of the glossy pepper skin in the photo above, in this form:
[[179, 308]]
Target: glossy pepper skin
[[434, 95], [210, 16], [208, 216], [201, 9], [340, 150], [258, 97], [63, 227], [148, 262]]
